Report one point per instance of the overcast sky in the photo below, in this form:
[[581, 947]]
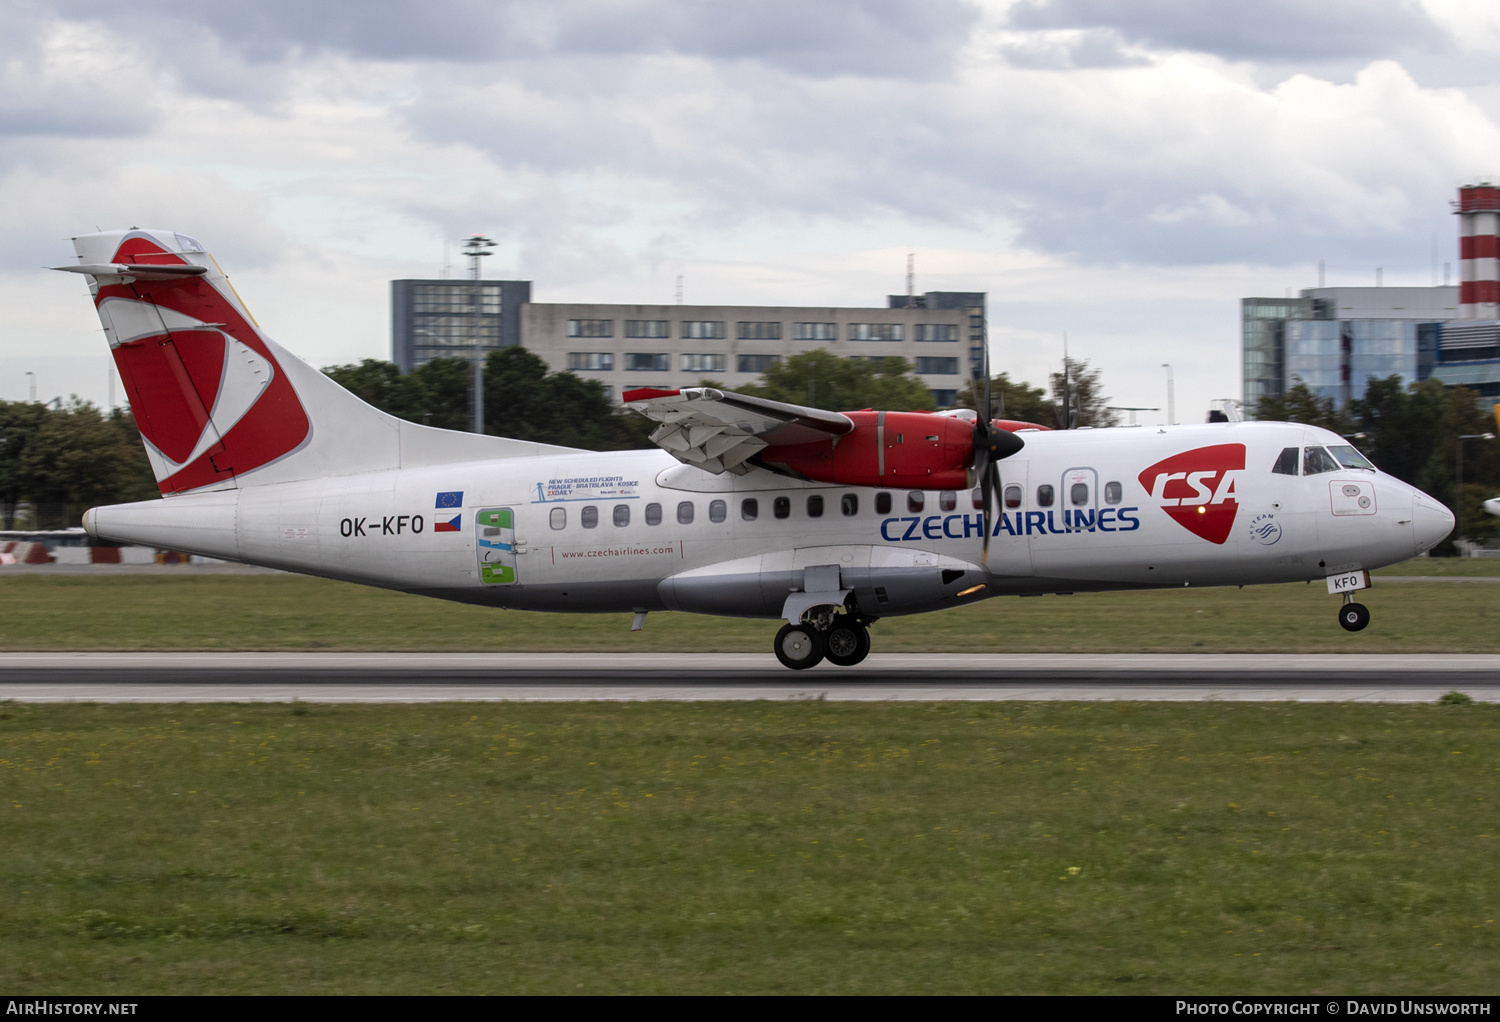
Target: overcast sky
[[1124, 173]]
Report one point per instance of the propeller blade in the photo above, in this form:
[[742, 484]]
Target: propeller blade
[[992, 487], [991, 445], [982, 467]]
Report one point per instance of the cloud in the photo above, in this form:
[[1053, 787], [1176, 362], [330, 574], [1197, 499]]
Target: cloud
[[1277, 31], [881, 38], [61, 78]]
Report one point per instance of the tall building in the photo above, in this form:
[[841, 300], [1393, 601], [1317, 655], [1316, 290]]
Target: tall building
[[444, 318], [671, 346], [1334, 339]]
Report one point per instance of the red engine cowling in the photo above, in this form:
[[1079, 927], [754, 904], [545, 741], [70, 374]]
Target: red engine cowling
[[915, 450]]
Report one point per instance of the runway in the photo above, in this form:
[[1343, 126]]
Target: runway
[[689, 677]]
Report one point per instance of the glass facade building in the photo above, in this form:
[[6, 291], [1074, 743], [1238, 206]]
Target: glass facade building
[[1335, 358], [1263, 324], [445, 318]]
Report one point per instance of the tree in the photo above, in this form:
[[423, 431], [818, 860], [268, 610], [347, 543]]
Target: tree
[[1010, 400], [78, 458], [447, 389], [1301, 404], [821, 379], [1085, 396], [524, 401], [19, 423]]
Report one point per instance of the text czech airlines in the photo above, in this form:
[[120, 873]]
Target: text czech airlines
[[1021, 523]]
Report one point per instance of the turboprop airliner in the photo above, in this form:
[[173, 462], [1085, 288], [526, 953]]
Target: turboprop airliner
[[826, 521]]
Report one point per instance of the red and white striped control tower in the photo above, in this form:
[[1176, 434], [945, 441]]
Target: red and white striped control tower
[[1479, 251]]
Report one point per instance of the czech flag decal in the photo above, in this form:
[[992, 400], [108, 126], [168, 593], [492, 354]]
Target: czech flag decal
[[451, 525]]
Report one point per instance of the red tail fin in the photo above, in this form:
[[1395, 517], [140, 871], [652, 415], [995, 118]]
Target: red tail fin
[[210, 397]]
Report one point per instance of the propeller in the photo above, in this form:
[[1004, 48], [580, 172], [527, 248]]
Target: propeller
[[991, 445]]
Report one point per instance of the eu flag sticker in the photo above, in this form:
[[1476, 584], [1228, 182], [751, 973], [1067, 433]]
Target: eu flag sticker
[[453, 498]]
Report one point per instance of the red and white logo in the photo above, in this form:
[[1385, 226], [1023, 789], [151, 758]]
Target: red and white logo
[[1196, 489], [209, 397]]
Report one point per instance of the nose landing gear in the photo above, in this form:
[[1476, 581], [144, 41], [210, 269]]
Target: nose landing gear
[[1353, 616], [844, 640]]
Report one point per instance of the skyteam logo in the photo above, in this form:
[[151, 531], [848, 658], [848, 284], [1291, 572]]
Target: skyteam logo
[[1265, 529], [1196, 489]]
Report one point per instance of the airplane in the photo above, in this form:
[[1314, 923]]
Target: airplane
[[752, 508], [1493, 505]]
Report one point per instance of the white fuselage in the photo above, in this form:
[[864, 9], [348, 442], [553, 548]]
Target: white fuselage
[[639, 531]]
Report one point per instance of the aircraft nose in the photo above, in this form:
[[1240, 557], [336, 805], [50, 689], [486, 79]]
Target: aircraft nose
[[1431, 522]]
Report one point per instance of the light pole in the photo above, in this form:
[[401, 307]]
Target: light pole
[[476, 248], [33, 386], [1458, 479], [1171, 407]]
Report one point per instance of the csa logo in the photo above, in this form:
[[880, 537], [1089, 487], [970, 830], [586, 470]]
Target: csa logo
[[1196, 489], [1265, 529]]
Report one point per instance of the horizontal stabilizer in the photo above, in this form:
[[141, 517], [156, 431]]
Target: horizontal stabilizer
[[135, 270]]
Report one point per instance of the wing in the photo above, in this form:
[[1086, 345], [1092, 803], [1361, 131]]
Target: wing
[[718, 430]]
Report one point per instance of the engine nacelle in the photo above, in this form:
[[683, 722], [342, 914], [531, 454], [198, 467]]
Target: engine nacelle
[[914, 450]]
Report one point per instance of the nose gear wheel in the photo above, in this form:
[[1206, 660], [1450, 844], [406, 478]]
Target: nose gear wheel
[[1354, 616]]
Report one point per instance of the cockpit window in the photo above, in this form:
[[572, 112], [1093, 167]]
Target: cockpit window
[[1316, 460], [1286, 465], [1349, 457]]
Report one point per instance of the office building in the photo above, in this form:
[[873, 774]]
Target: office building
[[1334, 339], [446, 318], [669, 346]]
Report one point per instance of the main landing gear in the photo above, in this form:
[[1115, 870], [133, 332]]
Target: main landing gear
[[843, 639], [1353, 616]]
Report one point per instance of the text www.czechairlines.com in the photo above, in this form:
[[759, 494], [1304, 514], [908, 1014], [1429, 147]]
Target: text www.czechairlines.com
[[624, 551]]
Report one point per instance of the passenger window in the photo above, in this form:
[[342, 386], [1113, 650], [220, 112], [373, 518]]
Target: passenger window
[[882, 503], [653, 514], [1349, 457], [749, 509], [1078, 493], [1286, 464], [558, 518], [915, 501], [815, 506], [947, 500], [622, 515], [1316, 460], [685, 513], [849, 504], [781, 507], [589, 516], [1113, 493], [1045, 495], [717, 511], [1012, 496], [977, 498]]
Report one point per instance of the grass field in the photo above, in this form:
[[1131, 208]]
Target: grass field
[[752, 848], [285, 612]]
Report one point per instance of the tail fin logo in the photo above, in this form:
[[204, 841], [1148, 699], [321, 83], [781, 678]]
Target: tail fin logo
[[1197, 489], [208, 394]]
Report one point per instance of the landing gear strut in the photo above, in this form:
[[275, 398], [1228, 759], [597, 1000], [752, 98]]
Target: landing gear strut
[[844, 640], [1353, 616]]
